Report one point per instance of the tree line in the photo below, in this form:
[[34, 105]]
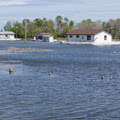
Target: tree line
[[60, 26]]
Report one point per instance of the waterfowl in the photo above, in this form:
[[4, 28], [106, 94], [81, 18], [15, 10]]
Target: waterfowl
[[102, 77], [50, 73], [11, 70], [111, 78]]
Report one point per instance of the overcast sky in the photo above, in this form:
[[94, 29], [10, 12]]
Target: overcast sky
[[76, 10]]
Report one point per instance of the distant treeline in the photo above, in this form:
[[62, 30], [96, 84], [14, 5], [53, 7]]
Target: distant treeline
[[60, 26]]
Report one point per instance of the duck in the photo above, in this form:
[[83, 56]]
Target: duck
[[111, 78], [102, 77], [50, 73], [11, 70]]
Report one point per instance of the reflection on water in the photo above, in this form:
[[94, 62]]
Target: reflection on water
[[62, 84]]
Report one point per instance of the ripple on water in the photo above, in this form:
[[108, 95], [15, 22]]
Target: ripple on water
[[73, 91]]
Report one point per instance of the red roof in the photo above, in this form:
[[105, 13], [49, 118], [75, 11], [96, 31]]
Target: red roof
[[85, 32], [46, 34]]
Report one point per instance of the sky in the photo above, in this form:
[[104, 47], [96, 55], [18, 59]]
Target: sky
[[76, 10]]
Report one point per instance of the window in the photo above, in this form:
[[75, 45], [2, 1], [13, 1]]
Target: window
[[89, 37], [105, 37], [71, 36], [6, 35], [77, 36], [82, 37]]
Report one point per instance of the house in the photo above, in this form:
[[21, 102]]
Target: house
[[97, 36], [45, 37], [7, 35]]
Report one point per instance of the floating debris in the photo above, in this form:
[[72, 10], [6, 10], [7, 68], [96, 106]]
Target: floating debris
[[114, 52], [102, 74]]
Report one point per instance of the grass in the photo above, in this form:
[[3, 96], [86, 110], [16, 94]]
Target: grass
[[116, 40], [14, 49], [59, 38]]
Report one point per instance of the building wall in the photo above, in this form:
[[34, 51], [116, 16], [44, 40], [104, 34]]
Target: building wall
[[7, 37], [47, 39], [99, 38], [51, 39], [82, 38]]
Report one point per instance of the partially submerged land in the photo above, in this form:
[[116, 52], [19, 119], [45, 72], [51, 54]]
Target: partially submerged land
[[90, 43], [4, 62], [14, 49]]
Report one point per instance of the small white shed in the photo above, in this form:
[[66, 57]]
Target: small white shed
[[45, 37], [97, 36], [7, 35]]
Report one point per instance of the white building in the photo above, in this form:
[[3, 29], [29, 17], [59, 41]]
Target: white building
[[90, 36], [45, 37], [7, 36]]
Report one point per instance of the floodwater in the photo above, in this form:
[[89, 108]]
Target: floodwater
[[73, 91]]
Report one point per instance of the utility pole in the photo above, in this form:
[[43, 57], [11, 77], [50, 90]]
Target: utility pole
[[16, 32], [25, 31]]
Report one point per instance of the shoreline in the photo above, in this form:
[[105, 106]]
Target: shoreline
[[90, 43]]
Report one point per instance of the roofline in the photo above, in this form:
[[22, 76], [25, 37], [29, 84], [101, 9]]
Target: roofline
[[103, 31], [44, 35], [84, 34], [80, 34], [10, 33]]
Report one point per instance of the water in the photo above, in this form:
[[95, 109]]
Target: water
[[74, 91]]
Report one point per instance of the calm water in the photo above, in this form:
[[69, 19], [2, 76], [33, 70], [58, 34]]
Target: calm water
[[74, 91]]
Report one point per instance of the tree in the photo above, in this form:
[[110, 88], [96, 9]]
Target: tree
[[66, 20], [38, 22], [59, 23], [71, 25], [60, 26], [8, 26], [89, 24]]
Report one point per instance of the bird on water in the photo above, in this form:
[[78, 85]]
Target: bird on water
[[102, 77], [50, 73], [11, 70], [111, 78]]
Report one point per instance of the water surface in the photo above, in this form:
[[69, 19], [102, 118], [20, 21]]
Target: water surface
[[74, 91]]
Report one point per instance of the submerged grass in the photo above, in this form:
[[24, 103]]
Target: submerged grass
[[14, 49]]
